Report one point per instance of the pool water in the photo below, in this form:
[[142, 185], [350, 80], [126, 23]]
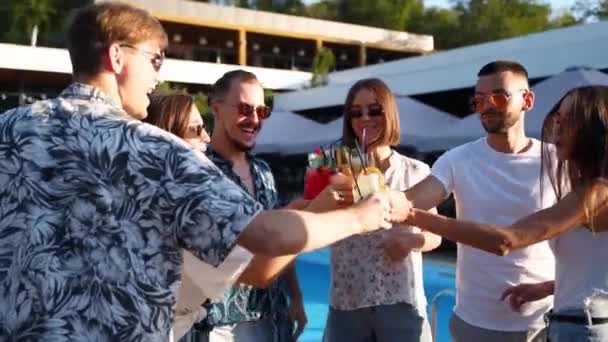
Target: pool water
[[313, 274]]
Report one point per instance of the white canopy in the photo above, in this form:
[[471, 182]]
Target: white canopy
[[282, 128], [464, 130], [417, 120], [544, 54], [548, 93]]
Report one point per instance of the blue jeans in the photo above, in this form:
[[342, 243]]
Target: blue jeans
[[262, 330], [399, 322], [573, 332]]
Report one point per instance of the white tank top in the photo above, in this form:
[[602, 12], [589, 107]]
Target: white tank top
[[581, 268]]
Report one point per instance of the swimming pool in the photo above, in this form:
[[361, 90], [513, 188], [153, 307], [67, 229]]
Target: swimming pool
[[313, 274]]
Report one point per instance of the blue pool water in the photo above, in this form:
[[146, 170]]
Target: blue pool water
[[313, 273]]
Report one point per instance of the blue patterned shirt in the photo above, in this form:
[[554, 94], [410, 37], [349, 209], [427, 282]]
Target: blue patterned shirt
[[95, 209], [242, 302]]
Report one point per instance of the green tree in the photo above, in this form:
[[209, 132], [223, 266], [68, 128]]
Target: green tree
[[35, 22], [476, 21], [487, 20], [441, 23], [323, 63], [326, 10], [28, 18], [389, 14], [293, 7], [592, 9]]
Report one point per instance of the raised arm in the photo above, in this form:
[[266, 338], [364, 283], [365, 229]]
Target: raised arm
[[427, 194], [307, 231], [567, 214], [264, 269]]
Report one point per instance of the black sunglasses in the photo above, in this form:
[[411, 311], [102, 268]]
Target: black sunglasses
[[156, 59], [373, 109], [247, 110]]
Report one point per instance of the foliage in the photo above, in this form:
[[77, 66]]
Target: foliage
[[466, 22], [323, 63], [20, 17], [592, 9]]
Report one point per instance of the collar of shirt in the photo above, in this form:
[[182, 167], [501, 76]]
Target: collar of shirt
[[88, 92], [263, 181]]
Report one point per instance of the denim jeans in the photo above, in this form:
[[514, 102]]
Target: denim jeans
[[572, 332], [384, 323]]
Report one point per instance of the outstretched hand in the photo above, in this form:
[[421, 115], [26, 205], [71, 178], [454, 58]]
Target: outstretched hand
[[338, 194], [399, 242], [525, 293], [401, 207]]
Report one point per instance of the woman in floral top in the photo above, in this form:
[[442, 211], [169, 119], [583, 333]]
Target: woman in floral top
[[376, 287]]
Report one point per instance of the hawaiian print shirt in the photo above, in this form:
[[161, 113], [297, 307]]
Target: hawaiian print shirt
[[243, 302], [95, 210]]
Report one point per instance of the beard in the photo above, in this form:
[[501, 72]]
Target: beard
[[238, 144], [241, 146], [499, 123]]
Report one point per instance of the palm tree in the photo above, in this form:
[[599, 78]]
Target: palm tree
[[33, 15]]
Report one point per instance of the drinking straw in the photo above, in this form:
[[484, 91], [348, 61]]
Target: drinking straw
[[352, 172], [363, 161]]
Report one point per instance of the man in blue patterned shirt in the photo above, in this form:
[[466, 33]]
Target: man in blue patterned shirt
[[97, 207], [247, 313]]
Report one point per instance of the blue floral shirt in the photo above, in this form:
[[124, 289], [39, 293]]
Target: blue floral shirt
[[242, 302], [95, 209]]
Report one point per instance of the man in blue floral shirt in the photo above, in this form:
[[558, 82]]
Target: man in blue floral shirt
[[247, 313], [97, 207]]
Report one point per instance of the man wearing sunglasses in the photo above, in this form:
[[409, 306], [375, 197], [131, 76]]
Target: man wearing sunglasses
[[96, 207], [495, 180], [247, 313]]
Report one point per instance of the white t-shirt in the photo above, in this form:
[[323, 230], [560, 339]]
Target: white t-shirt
[[581, 274], [201, 281], [497, 188], [362, 276]]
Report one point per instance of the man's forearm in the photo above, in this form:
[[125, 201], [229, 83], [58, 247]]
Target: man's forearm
[[263, 270], [267, 233], [549, 287], [427, 194]]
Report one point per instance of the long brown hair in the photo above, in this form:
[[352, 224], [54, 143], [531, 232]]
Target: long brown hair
[[391, 132], [586, 127], [171, 112]]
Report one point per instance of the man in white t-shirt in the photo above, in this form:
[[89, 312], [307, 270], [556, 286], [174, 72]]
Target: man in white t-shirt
[[495, 180]]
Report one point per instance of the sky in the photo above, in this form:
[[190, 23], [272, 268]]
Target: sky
[[555, 4]]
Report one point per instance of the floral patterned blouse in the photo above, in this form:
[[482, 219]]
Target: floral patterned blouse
[[95, 210], [361, 275]]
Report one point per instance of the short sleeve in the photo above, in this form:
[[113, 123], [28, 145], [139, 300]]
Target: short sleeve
[[204, 209], [419, 170], [443, 170], [201, 281]]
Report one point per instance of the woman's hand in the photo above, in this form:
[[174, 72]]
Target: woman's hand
[[399, 242], [525, 293], [401, 207], [338, 194]]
